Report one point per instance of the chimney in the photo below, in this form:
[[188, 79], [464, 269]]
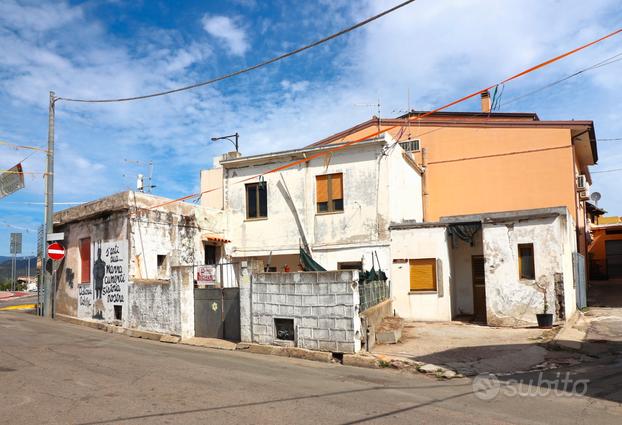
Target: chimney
[[486, 102]]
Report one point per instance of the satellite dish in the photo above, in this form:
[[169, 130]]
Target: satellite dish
[[595, 197]]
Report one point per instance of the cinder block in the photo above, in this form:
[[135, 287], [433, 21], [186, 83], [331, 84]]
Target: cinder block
[[273, 288], [345, 347], [320, 289], [260, 329], [338, 288], [264, 339], [324, 323], [259, 278], [327, 345], [305, 333], [309, 344], [309, 322], [344, 324], [287, 310], [321, 334], [319, 311], [303, 288], [310, 300], [308, 277], [287, 288], [259, 308], [303, 311], [344, 299], [326, 277], [278, 299], [338, 335], [326, 300]]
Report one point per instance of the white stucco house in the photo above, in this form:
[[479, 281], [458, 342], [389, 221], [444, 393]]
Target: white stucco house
[[338, 205], [495, 267]]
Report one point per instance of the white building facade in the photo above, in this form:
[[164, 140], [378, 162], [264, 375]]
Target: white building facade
[[338, 205]]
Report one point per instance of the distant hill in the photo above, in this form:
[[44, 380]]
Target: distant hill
[[21, 267]]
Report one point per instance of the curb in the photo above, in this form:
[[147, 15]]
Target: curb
[[366, 360], [570, 337], [134, 333]]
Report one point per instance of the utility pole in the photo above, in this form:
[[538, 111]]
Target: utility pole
[[48, 221]]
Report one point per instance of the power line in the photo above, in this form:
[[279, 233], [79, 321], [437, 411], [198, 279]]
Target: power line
[[605, 62], [609, 140], [13, 145], [417, 118], [607, 171], [245, 70]]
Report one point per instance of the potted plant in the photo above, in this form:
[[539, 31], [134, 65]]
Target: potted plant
[[545, 320]]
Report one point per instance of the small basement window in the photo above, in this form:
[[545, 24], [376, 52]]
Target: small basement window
[[526, 266], [118, 312], [284, 329]]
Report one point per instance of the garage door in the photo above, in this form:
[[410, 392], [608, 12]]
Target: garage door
[[614, 258]]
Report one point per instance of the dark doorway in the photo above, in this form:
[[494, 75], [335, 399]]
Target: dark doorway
[[614, 258], [479, 288], [211, 254]]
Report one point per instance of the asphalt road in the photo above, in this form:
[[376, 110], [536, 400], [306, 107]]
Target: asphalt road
[[32, 299], [54, 372]]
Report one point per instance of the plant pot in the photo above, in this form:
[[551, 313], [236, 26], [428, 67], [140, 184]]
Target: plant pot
[[545, 320]]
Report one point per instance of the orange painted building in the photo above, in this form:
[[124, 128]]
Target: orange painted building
[[605, 251], [481, 162]]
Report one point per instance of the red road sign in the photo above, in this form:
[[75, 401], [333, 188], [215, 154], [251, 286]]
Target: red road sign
[[56, 251]]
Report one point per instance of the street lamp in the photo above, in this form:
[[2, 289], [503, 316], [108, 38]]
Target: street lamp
[[236, 135]]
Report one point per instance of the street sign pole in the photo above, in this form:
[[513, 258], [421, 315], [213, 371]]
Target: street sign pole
[[48, 226]]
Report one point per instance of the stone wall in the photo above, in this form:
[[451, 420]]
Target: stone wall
[[163, 305], [324, 307]]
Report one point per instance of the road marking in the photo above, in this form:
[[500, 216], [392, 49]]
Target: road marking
[[18, 307]]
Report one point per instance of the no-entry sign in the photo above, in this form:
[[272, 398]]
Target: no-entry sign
[[56, 251]]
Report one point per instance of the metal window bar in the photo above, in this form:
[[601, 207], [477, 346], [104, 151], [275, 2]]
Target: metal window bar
[[373, 292]]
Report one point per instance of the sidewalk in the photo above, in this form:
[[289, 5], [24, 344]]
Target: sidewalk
[[471, 349], [596, 332]]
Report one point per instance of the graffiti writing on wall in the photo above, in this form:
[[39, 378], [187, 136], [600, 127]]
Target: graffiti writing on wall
[[109, 277]]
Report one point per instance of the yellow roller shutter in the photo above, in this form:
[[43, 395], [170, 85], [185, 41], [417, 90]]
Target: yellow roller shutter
[[321, 183], [336, 185], [423, 274]]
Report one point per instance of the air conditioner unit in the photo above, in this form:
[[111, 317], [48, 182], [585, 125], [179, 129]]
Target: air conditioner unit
[[581, 182]]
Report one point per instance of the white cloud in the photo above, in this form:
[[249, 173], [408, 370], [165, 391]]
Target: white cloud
[[225, 29], [437, 50]]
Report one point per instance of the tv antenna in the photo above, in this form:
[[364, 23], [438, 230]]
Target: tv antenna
[[140, 179]]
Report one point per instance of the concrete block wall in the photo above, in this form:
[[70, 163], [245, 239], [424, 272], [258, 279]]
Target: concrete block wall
[[323, 305]]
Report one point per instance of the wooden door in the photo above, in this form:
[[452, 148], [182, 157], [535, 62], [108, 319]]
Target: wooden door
[[479, 288]]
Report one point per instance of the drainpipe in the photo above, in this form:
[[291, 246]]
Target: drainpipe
[[424, 193]]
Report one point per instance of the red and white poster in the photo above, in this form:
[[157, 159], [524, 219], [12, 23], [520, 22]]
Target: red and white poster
[[206, 275]]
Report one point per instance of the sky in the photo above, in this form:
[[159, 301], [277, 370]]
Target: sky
[[422, 56]]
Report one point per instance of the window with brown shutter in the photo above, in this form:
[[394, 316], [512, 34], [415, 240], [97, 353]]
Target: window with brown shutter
[[329, 192], [85, 260], [423, 274]]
